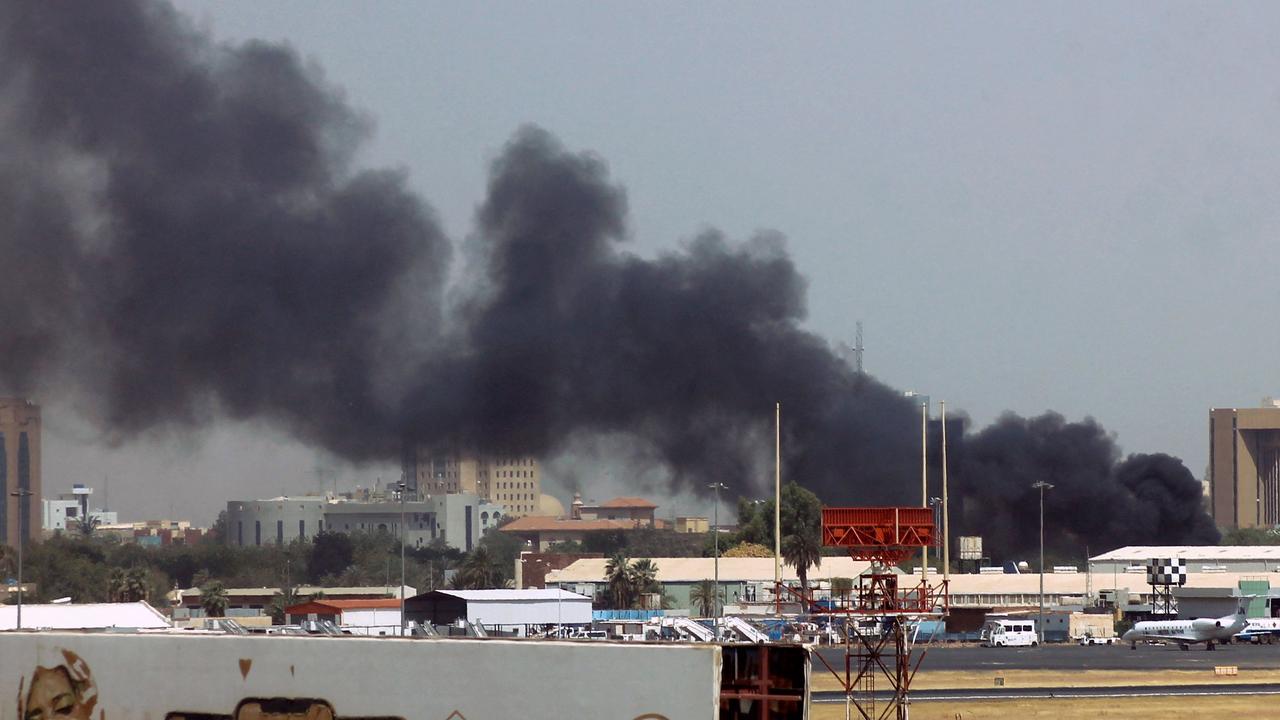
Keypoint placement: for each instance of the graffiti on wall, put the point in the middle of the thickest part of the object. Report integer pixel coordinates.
(68, 692)
(62, 692)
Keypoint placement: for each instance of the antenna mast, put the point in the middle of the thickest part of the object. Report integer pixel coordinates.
(857, 348)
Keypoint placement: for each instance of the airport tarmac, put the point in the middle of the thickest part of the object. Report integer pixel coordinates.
(1096, 657)
(1059, 693)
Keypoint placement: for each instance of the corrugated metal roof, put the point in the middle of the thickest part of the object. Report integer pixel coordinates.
(360, 604)
(694, 569)
(375, 591)
(538, 523)
(513, 595)
(621, 502)
(89, 616)
(1142, 553)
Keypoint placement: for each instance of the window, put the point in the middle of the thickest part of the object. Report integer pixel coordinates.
(257, 532)
(279, 532)
(302, 529)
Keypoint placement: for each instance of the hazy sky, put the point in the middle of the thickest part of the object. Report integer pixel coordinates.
(1028, 206)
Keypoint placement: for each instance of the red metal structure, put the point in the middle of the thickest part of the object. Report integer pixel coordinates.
(880, 647)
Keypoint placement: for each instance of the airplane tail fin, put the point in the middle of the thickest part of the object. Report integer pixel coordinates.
(1242, 605)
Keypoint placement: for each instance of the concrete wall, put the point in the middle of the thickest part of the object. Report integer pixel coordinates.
(154, 676)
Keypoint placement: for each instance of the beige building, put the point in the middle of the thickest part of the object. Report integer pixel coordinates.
(515, 483)
(19, 470)
(1244, 466)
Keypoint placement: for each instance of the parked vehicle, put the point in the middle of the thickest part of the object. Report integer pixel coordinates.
(1091, 640)
(1009, 633)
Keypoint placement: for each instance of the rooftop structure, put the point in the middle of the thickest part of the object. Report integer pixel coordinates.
(89, 616)
(632, 509)
(1200, 558)
(515, 610)
(250, 602)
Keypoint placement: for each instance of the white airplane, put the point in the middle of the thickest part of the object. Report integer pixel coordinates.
(1188, 632)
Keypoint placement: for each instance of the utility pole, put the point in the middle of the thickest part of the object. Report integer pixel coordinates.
(1042, 486)
(924, 482)
(946, 510)
(715, 599)
(21, 493)
(777, 509)
(403, 487)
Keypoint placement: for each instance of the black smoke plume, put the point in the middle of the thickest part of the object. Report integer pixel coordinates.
(184, 237)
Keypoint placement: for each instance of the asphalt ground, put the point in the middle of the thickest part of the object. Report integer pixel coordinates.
(1064, 693)
(1095, 657)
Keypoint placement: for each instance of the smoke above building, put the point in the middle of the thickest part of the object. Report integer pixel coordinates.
(185, 238)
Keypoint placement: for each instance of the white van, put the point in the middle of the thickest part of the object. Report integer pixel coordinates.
(1009, 633)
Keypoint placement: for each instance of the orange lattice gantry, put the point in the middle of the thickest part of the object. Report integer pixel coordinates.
(886, 535)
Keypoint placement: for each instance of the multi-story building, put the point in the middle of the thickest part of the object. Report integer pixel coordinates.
(68, 511)
(513, 482)
(19, 470)
(459, 519)
(1244, 466)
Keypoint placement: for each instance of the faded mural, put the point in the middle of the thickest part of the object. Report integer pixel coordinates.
(67, 692)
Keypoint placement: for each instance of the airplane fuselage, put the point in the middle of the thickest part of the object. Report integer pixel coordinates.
(1185, 633)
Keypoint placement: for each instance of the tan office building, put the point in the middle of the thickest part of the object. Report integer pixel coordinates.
(19, 470)
(1244, 466)
(515, 483)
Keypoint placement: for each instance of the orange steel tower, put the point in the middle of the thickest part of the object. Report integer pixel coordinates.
(880, 647)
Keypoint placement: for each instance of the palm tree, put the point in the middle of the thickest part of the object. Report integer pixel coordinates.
(618, 579)
(703, 597)
(803, 549)
(213, 598)
(644, 576)
(135, 584)
(115, 585)
(286, 598)
(88, 524)
(479, 571)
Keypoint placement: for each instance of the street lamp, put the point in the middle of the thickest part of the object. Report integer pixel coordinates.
(715, 598)
(22, 539)
(1042, 486)
(403, 486)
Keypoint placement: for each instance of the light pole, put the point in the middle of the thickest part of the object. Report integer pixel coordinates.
(715, 598)
(403, 486)
(1042, 486)
(22, 539)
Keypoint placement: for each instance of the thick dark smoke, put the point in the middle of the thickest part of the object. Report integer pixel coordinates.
(184, 238)
(1097, 502)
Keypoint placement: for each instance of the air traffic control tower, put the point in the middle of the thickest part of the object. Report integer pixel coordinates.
(1244, 466)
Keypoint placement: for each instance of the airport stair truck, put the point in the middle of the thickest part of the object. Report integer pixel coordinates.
(749, 632)
(693, 629)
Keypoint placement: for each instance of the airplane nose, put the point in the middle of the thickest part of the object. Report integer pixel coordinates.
(1128, 635)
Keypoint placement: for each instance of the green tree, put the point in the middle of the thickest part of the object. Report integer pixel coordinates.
(802, 550)
(619, 582)
(747, 550)
(137, 581)
(702, 596)
(284, 599)
(801, 509)
(644, 576)
(115, 585)
(87, 525)
(479, 571)
(213, 599)
(331, 554)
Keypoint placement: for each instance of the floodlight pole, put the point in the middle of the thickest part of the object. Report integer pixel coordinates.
(22, 539)
(715, 598)
(1042, 486)
(403, 487)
